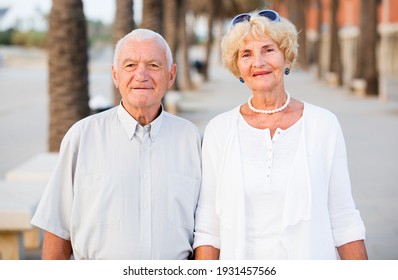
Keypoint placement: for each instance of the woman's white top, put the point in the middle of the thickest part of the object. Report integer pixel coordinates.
(265, 161)
(316, 213)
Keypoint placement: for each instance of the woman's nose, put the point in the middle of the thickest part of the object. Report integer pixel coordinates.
(259, 60)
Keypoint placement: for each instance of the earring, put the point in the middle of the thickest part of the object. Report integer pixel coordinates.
(241, 80)
(287, 71)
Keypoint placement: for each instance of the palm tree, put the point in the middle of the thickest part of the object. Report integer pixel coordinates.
(319, 40)
(152, 15)
(335, 65)
(171, 17)
(68, 73)
(123, 24)
(297, 12)
(366, 56)
(170, 23)
(185, 82)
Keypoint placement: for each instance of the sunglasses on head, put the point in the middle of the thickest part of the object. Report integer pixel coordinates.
(269, 14)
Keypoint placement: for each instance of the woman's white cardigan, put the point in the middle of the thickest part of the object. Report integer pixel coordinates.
(319, 212)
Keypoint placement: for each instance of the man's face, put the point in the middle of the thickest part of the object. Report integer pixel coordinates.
(142, 75)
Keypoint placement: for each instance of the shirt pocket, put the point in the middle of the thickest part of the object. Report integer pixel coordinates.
(182, 198)
(97, 200)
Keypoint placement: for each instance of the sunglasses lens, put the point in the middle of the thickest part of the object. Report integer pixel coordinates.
(240, 18)
(272, 15)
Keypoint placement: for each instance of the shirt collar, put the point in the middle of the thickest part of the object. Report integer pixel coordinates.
(130, 125)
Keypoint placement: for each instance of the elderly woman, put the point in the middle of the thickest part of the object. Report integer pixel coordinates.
(275, 176)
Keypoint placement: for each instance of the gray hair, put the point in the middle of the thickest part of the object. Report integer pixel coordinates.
(141, 35)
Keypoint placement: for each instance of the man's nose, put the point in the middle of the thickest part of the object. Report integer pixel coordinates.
(141, 73)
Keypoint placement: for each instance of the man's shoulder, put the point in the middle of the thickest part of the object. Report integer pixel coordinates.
(98, 117)
(90, 122)
(179, 121)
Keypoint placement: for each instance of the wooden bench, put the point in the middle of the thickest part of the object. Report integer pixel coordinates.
(37, 169)
(18, 202)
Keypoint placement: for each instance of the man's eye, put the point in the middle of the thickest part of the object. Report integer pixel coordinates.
(153, 66)
(130, 67)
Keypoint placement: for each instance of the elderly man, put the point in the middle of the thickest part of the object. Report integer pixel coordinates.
(127, 181)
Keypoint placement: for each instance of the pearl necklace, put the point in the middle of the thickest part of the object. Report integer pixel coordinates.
(283, 107)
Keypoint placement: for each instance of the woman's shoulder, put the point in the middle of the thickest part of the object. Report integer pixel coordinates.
(320, 119)
(315, 111)
(222, 124)
(225, 118)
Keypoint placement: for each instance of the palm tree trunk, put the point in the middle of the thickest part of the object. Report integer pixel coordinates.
(152, 15)
(170, 27)
(319, 41)
(68, 73)
(123, 24)
(186, 82)
(210, 39)
(366, 57)
(335, 57)
(297, 12)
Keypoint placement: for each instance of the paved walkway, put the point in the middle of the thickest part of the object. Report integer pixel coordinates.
(370, 128)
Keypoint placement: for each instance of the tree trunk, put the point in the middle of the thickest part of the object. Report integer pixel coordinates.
(122, 25)
(297, 12)
(366, 56)
(319, 41)
(68, 73)
(335, 57)
(170, 27)
(210, 39)
(186, 82)
(152, 15)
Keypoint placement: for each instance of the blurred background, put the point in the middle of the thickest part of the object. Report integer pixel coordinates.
(55, 59)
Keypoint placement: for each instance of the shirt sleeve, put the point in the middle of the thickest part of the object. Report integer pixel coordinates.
(347, 225)
(207, 223)
(54, 210)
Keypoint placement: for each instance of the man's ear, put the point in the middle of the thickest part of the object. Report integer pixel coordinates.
(172, 75)
(114, 77)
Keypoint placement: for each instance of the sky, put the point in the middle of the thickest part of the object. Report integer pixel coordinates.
(27, 12)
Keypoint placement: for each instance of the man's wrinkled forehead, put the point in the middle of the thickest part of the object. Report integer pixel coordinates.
(146, 47)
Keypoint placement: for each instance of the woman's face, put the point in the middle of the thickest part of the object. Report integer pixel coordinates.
(261, 64)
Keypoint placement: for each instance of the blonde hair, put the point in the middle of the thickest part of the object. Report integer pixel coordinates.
(284, 33)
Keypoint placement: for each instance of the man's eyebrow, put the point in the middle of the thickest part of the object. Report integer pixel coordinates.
(127, 60)
(149, 61)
